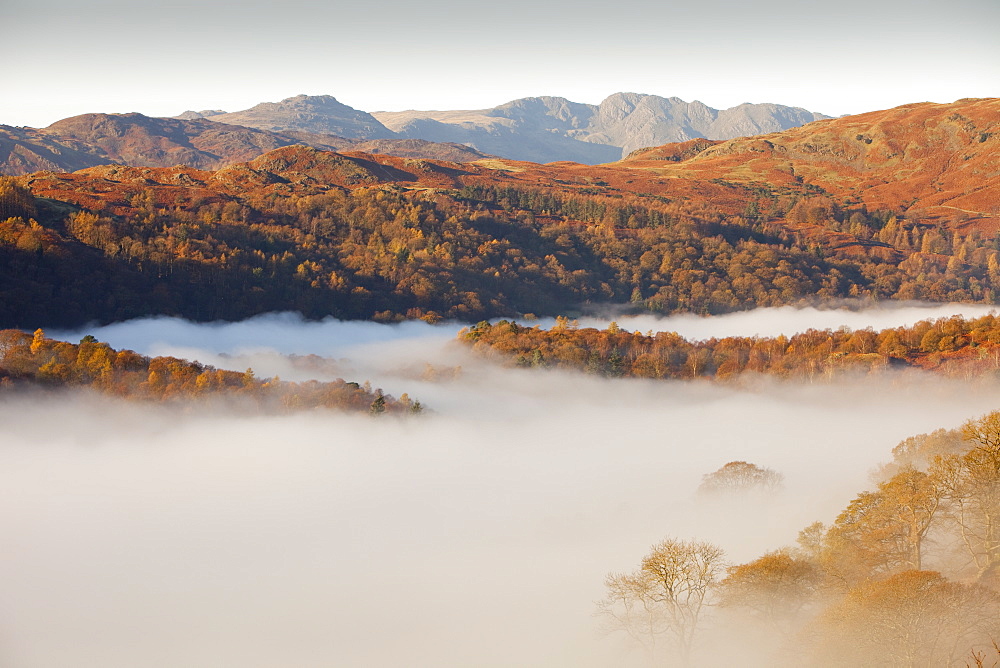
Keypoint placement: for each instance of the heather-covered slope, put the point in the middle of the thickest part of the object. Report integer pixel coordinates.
(27, 150)
(133, 139)
(934, 160)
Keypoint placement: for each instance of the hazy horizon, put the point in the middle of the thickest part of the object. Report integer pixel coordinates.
(114, 57)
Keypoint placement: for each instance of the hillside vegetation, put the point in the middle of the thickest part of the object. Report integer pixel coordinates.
(953, 346)
(357, 235)
(906, 575)
(36, 361)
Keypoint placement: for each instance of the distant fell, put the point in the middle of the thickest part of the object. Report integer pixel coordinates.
(548, 129)
(136, 140)
(204, 113)
(319, 114)
(132, 139)
(534, 129)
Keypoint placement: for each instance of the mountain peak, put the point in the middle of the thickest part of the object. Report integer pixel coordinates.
(317, 114)
(191, 115)
(309, 100)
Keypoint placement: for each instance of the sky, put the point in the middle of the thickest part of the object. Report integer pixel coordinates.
(64, 58)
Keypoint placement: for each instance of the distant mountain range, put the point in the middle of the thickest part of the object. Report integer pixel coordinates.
(539, 129)
(547, 129)
(534, 129)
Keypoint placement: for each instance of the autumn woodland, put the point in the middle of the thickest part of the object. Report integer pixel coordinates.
(870, 211)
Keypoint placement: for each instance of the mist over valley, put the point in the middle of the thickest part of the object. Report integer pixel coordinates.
(544, 383)
(477, 533)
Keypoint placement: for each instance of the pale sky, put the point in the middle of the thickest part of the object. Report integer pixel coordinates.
(63, 57)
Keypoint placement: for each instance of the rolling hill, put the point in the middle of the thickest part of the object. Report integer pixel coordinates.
(933, 160)
(141, 141)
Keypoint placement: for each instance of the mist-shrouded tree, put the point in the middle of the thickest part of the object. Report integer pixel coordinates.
(740, 477)
(663, 602)
(971, 490)
(630, 606)
(775, 589)
(914, 498)
(377, 407)
(913, 618)
(883, 531)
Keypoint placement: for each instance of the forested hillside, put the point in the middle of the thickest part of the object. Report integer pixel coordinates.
(367, 236)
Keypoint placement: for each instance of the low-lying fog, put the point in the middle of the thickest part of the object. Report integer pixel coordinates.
(476, 535)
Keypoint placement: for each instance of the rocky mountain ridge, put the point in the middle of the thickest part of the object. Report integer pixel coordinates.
(925, 160)
(535, 129)
(590, 133)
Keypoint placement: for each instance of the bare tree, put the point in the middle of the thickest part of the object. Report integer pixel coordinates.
(630, 606)
(666, 597)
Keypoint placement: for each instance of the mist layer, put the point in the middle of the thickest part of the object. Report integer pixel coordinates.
(479, 534)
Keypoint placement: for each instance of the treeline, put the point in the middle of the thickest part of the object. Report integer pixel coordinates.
(386, 253)
(907, 575)
(35, 360)
(956, 346)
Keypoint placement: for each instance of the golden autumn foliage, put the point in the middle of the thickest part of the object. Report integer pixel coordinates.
(908, 574)
(910, 618)
(954, 346)
(367, 236)
(40, 362)
(16, 201)
(777, 589)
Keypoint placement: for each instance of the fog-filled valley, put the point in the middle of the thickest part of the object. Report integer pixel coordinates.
(478, 533)
(352, 369)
